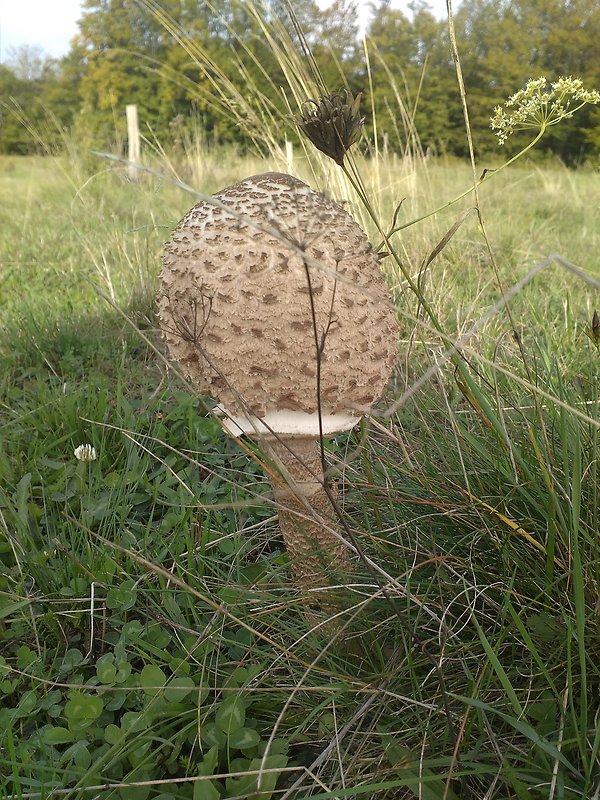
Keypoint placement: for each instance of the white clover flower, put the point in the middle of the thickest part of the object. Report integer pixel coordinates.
(85, 452)
(538, 107)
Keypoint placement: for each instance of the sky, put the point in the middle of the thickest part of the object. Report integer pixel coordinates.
(50, 24)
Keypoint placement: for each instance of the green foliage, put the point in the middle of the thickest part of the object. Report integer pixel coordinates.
(415, 94)
(141, 709)
(38, 100)
(140, 723)
(512, 42)
(232, 68)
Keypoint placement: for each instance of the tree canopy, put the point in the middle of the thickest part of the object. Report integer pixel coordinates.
(216, 63)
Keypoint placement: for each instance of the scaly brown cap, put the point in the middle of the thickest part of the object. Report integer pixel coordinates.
(261, 285)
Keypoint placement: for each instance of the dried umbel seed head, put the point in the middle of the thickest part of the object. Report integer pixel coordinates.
(332, 123)
(273, 302)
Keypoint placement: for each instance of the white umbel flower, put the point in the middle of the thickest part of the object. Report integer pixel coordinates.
(538, 106)
(85, 452)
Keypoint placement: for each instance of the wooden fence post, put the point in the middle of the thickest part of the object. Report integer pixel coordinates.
(289, 157)
(133, 141)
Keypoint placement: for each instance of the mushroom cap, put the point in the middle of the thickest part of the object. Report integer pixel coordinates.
(272, 295)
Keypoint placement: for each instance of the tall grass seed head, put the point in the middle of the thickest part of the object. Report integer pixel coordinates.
(332, 123)
(536, 106)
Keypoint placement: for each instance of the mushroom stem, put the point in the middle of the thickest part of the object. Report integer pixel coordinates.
(306, 518)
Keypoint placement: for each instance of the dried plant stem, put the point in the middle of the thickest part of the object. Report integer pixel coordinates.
(307, 520)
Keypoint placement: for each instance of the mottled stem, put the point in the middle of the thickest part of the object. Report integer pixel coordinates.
(307, 521)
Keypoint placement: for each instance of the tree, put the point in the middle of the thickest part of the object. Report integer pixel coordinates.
(505, 42)
(235, 65)
(27, 62)
(35, 107)
(413, 76)
(119, 47)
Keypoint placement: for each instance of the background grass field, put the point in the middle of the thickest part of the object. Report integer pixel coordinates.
(148, 631)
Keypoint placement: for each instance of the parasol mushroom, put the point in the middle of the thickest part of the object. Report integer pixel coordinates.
(273, 302)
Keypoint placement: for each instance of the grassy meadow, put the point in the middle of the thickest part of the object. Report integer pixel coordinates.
(151, 643)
